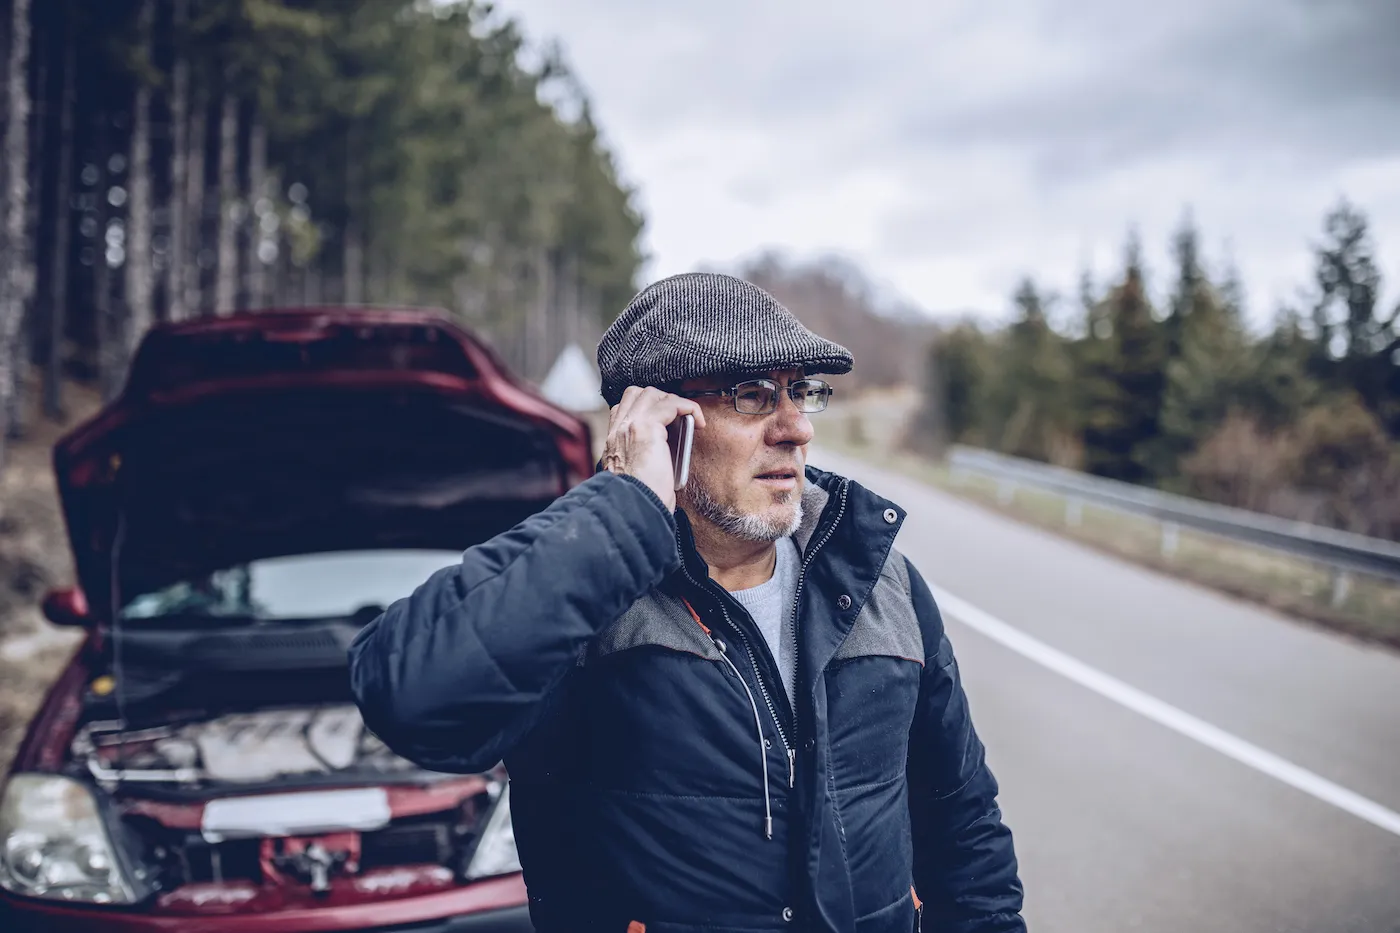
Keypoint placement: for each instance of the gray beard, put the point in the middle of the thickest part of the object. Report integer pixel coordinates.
(741, 525)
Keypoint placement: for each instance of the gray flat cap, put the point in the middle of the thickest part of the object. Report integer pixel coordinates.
(705, 324)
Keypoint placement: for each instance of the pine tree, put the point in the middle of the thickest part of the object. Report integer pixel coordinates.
(1278, 386)
(412, 156)
(963, 356)
(1191, 285)
(1030, 408)
(1206, 357)
(1355, 345)
(1125, 379)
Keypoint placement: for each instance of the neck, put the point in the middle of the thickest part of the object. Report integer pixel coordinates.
(734, 563)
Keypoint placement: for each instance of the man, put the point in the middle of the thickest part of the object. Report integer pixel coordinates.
(741, 714)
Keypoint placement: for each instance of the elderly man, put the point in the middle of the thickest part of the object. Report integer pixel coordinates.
(732, 708)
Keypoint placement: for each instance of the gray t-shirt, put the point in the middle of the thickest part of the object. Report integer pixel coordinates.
(770, 604)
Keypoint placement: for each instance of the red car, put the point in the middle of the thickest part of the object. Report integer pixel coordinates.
(263, 487)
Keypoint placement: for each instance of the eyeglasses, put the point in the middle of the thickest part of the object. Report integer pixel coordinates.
(760, 396)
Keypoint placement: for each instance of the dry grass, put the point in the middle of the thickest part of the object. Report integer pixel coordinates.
(34, 556)
(1369, 607)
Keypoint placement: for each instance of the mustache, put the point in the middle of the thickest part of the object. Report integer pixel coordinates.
(794, 467)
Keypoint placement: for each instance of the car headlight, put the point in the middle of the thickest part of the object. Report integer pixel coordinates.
(495, 853)
(54, 844)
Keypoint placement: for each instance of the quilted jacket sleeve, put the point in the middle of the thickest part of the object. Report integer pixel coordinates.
(453, 675)
(965, 869)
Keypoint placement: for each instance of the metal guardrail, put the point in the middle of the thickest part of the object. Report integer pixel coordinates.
(1342, 551)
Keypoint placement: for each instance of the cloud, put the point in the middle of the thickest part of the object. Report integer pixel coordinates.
(952, 147)
(1321, 80)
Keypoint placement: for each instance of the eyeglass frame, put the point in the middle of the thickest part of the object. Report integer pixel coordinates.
(778, 389)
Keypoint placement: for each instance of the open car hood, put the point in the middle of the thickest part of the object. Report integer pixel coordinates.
(286, 432)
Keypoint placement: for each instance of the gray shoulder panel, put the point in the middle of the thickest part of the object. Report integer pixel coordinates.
(887, 624)
(655, 619)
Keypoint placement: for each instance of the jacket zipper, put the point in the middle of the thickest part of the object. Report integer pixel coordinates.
(758, 678)
(767, 700)
(807, 559)
(758, 723)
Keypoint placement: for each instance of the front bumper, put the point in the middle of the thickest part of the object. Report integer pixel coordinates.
(509, 920)
(497, 905)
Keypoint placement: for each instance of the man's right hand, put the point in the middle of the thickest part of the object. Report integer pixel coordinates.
(636, 444)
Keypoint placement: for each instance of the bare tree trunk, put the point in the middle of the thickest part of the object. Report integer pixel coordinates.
(62, 229)
(31, 334)
(373, 288)
(281, 275)
(354, 268)
(110, 342)
(377, 278)
(353, 264)
(353, 259)
(226, 284)
(589, 316)
(537, 333)
(260, 243)
(175, 270)
(195, 157)
(140, 284)
(311, 285)
(109, 330)
(13, 249)
(569, 300)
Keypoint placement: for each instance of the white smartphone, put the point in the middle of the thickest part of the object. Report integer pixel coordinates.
(681, 435)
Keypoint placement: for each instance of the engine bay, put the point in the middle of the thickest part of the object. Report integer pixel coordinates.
(243, 748)
(261, 809)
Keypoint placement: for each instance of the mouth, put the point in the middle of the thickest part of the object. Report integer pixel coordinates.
(779, 479)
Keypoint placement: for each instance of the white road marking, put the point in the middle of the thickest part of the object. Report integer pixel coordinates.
(1167, 715)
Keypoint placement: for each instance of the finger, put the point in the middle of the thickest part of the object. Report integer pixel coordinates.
(693, 408)
(630, 395)
(652, 405)
(670, 407)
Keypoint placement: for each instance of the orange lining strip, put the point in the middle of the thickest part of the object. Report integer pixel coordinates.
(695, 615)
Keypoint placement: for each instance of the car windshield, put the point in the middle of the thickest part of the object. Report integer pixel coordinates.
(308, 586)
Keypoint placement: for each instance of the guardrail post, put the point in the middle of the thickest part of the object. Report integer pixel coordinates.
(1341, 587)
(1074, 512)
(1006, 491)
(1171, 537)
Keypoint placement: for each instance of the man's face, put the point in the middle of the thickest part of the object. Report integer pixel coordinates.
(746, 470)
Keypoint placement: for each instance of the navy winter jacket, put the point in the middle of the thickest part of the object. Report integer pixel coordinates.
(639, 736)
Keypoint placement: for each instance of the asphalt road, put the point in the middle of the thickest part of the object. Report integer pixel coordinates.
(1122, 822)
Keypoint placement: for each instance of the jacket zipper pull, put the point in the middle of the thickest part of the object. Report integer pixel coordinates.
(792, 767)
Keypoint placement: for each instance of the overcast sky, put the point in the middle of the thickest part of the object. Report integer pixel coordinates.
(951, 147)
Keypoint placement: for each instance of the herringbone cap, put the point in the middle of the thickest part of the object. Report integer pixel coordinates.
(705, 324)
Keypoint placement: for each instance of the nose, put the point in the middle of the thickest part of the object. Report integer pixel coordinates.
(788, 425)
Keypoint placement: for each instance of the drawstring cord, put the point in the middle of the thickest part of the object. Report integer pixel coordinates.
(757, 720)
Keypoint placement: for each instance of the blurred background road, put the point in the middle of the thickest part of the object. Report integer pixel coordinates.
(1121, 823)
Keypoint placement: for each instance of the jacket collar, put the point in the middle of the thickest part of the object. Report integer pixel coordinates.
(814, 500)
(853, 554)
(817, 493)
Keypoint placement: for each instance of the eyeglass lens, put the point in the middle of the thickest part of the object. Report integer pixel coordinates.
(760, 396)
